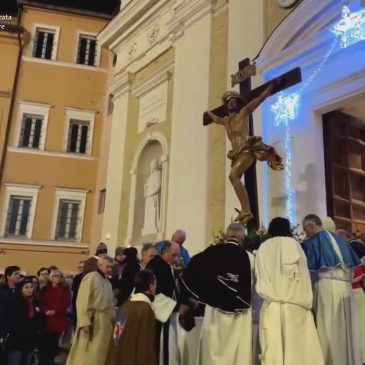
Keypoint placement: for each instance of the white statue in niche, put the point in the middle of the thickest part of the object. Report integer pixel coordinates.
(152, 196)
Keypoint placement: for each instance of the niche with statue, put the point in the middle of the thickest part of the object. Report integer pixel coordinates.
(149, 193)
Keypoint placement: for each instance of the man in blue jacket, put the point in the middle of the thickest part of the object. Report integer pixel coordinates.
(331, 262)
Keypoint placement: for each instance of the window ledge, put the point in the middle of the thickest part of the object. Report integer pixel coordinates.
(65, 64)
(34, 151)
(30, 242)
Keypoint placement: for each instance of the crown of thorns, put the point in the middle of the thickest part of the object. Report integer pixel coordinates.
(232, 94)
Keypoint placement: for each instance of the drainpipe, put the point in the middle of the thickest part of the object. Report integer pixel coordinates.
(19, 30)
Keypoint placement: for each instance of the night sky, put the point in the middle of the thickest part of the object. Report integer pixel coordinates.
(100, 6)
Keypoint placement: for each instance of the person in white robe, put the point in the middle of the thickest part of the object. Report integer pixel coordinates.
(359, 293)
(331, 262)
(287, 326)
(357, 280)
(220, 278)
(95, 315)
(255, 309)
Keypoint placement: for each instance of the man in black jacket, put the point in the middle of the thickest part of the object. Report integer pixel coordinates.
(162, 266)
(7, 291)
(220, 277)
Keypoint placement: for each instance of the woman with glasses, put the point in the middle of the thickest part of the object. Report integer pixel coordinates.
(55, 299)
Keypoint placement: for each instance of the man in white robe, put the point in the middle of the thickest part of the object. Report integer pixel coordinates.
(220, 278)
(95, 314)
(255, 309)
(287, 331)
(331, 262)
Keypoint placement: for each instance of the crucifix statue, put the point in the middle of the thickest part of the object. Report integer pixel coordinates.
(234, 116)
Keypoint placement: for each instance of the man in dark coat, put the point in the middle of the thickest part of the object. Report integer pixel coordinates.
(166, 285)
(7, 291)
(132, 266)
(133, 341)
(75, 290)
(220, 277)
(91, 264)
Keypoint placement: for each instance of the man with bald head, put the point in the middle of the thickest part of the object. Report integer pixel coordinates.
(220, 277)
(179, 236)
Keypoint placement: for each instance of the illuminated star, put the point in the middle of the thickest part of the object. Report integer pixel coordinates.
(285, 108)
(350, 27)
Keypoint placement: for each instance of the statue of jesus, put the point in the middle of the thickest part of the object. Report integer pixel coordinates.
(245, 149)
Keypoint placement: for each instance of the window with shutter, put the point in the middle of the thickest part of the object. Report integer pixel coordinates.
(18, 216)
(30, 131)
(86, 53)
(43, 43)
(78, 136)
(67, 219)
(101, 205)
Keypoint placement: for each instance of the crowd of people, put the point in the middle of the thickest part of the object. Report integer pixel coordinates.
(281, 303)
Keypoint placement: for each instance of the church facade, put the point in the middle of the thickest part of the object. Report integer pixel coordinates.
(318, 125)
(173, 61)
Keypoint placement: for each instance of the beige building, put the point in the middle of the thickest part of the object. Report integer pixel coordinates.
(11, 40)
(49, 173)
(174, 61)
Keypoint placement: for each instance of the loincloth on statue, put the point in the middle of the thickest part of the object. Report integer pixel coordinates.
(260, 151)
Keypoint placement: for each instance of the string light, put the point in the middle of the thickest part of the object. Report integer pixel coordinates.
(286, 106)
(291, 198)
(285, 110)
(350, 27)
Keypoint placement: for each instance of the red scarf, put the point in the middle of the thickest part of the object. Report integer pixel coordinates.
(31, 310)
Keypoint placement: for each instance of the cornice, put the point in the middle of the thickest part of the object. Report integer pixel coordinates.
(187, 12)
(304, 28)
(144, 29)
(22, 186)
(158, 78)
(122, 84)
(127, 21)
(315, 43)
(30, 242)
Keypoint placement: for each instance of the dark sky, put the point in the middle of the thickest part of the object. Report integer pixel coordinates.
(8, 7)
(100, 6)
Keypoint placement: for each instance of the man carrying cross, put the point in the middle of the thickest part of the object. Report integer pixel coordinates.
(245, 149)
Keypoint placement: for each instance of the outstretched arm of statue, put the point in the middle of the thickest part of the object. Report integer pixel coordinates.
(253, 104)
(214, 118)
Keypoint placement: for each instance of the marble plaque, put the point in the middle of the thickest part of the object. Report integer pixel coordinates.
(152, 107)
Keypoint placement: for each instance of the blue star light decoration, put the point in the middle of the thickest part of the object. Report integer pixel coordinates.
(351, 27)
(285, 108)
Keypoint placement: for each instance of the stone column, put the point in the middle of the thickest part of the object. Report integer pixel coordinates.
(121, 91)
(187, 192)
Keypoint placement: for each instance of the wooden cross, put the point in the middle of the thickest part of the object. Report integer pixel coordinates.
(243, 78)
